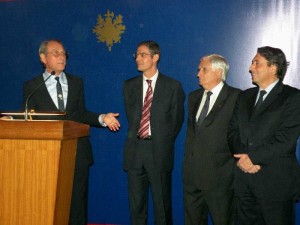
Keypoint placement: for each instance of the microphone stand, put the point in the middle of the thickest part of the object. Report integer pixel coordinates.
(28, 97)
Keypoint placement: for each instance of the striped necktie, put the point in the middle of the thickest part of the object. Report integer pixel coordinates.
(143, 131)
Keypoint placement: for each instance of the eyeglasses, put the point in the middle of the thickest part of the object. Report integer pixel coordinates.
(143, 55)
(56, 54)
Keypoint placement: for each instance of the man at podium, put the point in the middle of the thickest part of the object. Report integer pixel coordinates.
(55, 90)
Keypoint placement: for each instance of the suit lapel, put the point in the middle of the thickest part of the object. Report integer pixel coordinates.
(138, 95)
(47, 100)
(250, 102)
(220, 100)
(197, 100)
(219, 103)
(272, 96)
(158, 87)
(71, 91)
(195, 103)
(157, 95)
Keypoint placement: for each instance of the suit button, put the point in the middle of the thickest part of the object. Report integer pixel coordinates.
(250, 143)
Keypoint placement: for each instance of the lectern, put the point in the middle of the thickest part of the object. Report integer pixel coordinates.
(37, 160)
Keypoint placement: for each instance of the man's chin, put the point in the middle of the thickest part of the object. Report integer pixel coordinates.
(254, 83)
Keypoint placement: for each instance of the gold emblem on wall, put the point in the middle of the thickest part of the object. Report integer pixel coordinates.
(109, 29)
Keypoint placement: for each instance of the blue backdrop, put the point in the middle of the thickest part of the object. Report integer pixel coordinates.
(185, 30)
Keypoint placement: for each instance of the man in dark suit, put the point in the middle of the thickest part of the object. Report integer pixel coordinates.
(263, 135)
(45, 98)
(153, 125)
(208, 163)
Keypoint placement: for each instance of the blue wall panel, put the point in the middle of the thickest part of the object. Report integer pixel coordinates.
(185, 30)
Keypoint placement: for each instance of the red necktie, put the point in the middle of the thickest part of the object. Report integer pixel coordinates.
(145, 121)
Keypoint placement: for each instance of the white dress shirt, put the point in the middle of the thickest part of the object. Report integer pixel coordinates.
(215, 93)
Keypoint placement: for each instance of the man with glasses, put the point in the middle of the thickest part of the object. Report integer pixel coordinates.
(155, 112)
(71, 100)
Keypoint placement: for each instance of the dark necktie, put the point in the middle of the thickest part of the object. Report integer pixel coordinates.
(260, 100)
(60, 98)
(143, 131)
(204, 110)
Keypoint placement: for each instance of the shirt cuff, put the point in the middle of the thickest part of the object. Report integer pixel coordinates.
(101, 120)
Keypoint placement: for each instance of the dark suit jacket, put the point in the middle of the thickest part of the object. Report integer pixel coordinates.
(269, 137)
(167, 113)
(75, 109)
(208, 163)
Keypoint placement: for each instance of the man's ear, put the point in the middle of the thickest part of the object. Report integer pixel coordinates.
(219, 71)
(43, 59)
(156, 57)
(274, 69)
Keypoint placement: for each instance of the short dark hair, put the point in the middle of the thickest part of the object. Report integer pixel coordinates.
(275, 56)
(152, 45)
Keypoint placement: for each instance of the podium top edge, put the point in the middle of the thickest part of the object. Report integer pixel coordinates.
(42, 129)
(55, 113)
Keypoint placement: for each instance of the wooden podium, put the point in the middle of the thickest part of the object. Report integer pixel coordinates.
(37, 160)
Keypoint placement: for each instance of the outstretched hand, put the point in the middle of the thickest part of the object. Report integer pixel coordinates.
(110, 119)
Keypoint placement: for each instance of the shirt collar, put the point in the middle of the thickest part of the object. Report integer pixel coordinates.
(62, 77)
(216, 90)
(270, 87)
(153, 78)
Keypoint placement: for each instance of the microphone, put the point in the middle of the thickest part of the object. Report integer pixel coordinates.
(29, 96)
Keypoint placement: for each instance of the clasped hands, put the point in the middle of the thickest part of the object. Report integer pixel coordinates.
(110, 119)
(245, 164)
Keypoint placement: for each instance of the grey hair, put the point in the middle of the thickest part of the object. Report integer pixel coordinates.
(218, 62)
(44, 46)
